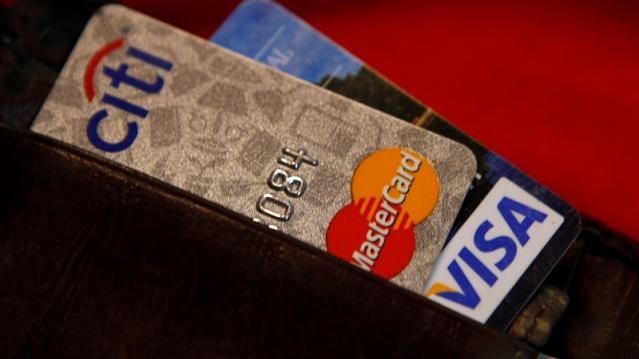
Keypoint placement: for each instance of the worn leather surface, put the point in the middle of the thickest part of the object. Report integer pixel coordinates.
(602, 319)
(98, 261)
(36, 38)
(587, 307)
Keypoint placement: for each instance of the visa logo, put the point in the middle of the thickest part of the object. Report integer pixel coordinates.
(119, 78)
(491, 251)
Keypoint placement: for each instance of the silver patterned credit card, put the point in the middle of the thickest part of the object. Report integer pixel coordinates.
(376, 192)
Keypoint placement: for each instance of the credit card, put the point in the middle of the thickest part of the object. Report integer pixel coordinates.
(510, 231)
(338, 175)
(267, 32)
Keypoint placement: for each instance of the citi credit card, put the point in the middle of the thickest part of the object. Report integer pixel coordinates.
(510, 231)
(378, 193)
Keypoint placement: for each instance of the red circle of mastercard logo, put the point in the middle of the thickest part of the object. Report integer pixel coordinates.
(393, 190)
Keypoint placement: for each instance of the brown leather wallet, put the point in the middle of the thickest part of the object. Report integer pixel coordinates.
(99, 261)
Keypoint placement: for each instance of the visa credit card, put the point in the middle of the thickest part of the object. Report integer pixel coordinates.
(338, 175)
(510, 231)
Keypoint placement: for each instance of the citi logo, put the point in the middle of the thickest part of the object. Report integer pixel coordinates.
(120, 77)
(492, 250)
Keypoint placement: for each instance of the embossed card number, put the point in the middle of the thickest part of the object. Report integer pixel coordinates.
(285, 181)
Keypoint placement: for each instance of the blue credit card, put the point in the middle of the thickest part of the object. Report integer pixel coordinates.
(268, 33)
(510, 232)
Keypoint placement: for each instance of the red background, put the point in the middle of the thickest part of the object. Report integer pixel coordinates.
(550, 85)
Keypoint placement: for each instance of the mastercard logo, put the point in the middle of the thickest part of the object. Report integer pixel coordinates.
(393, 190)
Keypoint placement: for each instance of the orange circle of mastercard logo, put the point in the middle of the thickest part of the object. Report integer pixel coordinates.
(393, 190)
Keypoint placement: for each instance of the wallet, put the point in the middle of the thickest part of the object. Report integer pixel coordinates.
(97, 260)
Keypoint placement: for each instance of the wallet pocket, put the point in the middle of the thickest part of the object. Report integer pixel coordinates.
(100, 261)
